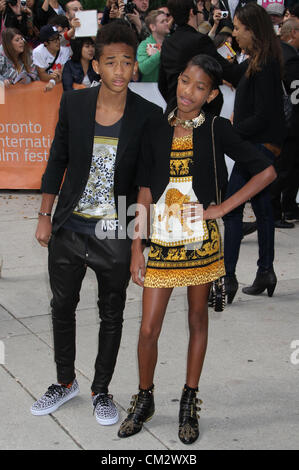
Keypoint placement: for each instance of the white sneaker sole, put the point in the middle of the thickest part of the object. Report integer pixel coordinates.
(47, 411)
(109, 421)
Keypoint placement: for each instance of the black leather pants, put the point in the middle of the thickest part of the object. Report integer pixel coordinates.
(69, 255)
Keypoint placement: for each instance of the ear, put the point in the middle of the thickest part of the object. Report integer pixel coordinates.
(212, 95)
(135, 70)
(96, 66)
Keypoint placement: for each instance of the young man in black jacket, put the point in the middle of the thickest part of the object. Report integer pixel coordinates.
(96, 149)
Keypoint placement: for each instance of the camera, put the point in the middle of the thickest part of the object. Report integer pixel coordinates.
(23, 3)
(224, 14)
(12, 2)
(130, 7)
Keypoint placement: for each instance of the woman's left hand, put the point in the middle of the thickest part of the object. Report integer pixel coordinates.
(193, 211)
(213, 212)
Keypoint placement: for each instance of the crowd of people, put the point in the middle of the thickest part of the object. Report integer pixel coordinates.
(189, 48)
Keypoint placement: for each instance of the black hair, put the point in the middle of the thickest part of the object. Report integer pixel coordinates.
(180, 10)
(221, 37)
(294, 10)
(210, 66)
(116, 31)
(76, 46)
(59, 20)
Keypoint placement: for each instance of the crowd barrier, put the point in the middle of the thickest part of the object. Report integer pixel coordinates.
(28, 117)
(27, 123)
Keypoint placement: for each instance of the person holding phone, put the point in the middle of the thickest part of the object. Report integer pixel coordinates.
(14, 15)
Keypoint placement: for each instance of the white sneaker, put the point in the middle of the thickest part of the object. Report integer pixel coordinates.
(54, 397)
(105, 409)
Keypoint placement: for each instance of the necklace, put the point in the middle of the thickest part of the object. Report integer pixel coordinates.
(174, 121)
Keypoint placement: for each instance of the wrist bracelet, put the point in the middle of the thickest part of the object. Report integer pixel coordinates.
(52, 81)
(45, 214)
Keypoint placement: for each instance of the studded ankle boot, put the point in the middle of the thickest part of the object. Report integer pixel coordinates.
(188, 417)
(142, 410)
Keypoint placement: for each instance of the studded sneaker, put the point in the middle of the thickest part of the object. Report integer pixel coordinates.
(104, 409)
(55, 396)
(142, 410)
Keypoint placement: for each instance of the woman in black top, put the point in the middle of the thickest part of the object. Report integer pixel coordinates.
(177, 175)
(259, 118)
(78, 69)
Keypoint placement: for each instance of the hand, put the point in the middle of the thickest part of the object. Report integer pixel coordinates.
(16, 8)
(135, 19)
(213, 212)
(151, 49)
(232, 118)
(49, 87)
(217, 16)
(192, 211)
(137, 267)
(7, 83)
(75, 23)
(57, 75)
(26, 10)
(121, 8)
(2, 5)
(44, 230)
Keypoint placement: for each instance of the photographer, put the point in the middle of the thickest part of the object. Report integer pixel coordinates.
(227, 12)
(135, 13)
(15, 14)
(46, 9)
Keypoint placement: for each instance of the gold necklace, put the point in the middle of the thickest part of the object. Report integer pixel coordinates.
(174, 121)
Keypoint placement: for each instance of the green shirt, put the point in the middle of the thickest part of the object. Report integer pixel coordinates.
(148, 65)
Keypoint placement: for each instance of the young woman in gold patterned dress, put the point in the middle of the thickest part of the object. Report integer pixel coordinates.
(177, 175)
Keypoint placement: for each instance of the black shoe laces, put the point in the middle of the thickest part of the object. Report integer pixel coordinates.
(55, 389)
(103, 399)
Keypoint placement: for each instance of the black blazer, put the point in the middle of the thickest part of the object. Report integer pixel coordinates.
(154, 165)
(72, 148)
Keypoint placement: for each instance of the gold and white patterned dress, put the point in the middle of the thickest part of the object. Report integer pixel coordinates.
(182, 253)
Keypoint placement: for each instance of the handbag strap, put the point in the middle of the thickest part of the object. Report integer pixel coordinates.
(51, 65)
(218, 194)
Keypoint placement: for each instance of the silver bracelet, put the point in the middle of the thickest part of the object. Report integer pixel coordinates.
(45, 214)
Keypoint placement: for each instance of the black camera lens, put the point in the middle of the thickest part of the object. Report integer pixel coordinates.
(130, 7)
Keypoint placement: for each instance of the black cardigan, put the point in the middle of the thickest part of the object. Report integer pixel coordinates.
(154, 164)
(258, 108)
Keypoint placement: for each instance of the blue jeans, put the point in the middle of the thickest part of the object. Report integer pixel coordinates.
(233, 221)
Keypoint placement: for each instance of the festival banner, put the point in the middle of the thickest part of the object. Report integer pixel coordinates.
(28, 119)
